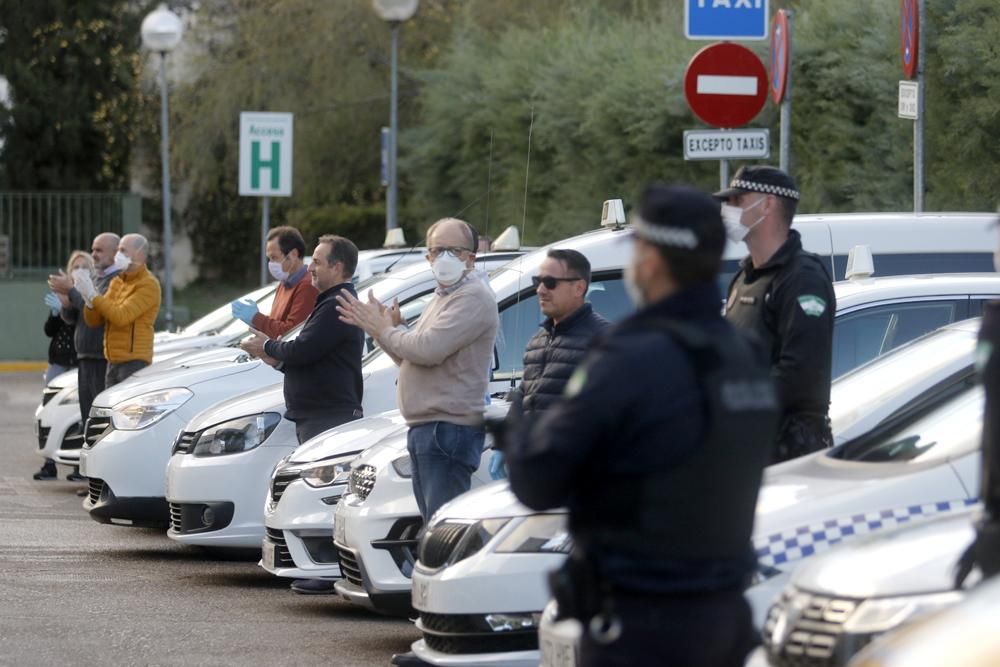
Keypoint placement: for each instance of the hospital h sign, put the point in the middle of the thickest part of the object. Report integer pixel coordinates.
(265, 154)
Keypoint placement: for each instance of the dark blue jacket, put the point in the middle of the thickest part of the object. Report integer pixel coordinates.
(633, 407)
(322, 366)
(553, 354)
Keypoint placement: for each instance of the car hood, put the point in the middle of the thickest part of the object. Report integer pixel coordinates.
(354, 436)
(180, 377)
(910, 560)
(270, 398)
(180, 343)
(382, 453)
(493, 501)
(63, 380)
(190, 359)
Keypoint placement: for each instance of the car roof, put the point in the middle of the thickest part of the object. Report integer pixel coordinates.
(850, 292)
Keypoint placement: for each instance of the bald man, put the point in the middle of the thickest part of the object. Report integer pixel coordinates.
(127, 311)
(443, 364)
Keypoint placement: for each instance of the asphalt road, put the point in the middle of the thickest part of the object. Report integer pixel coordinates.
(73, 591)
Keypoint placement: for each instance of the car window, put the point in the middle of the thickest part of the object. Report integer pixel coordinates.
(870, 386)
(953, 429)
(913, 263)
(239, 327)
(860, 336)
(520, 319)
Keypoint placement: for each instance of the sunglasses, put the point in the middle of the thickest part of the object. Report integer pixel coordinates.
(550, 282)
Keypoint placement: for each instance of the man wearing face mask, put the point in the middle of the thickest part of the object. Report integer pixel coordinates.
(657, 448)
(127, 311)
(295, 296)
(443, 365)
(784, 296)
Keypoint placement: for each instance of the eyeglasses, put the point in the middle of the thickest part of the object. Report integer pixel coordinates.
(550, 282)
(454, 251)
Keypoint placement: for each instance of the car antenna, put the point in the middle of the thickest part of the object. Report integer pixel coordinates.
(524, 217)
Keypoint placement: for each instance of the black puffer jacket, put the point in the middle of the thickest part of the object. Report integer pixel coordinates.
(553, 354)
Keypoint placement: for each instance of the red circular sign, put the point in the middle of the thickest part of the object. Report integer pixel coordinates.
(909, 36)
(725, 85)
(780, 55)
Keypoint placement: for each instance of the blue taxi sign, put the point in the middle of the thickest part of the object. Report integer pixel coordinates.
(726, 19)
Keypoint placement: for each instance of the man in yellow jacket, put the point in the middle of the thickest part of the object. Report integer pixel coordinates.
(127, 310)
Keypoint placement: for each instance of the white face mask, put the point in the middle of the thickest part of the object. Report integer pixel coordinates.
(448, 269)
(277, 271)
(732, 217)
(632, 287)
(121, 262)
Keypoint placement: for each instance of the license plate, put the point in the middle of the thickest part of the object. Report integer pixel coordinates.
(419, 592)
(339, 532)
(267, 550)
(557, 651)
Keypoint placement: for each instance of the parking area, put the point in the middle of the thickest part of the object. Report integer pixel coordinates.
(73, 591)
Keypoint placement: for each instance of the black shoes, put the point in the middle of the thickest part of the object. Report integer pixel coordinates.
(313, 587)
(75, 476)
(47, 471)
(408, 659)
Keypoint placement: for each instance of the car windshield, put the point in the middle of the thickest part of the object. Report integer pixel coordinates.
(217, 320)
(239, 327)
(879, 382)
(950, 430)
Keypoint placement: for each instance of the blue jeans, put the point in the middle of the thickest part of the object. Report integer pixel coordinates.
(444, 457)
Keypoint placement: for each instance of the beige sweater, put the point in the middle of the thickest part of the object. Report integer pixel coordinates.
(444, 359)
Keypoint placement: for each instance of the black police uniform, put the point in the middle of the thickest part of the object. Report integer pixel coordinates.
(658, 451)
(789, 304)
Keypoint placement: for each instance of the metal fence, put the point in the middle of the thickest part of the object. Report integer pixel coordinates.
(38, 230)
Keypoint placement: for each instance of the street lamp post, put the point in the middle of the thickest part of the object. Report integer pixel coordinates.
(394, 12)
(161, 32)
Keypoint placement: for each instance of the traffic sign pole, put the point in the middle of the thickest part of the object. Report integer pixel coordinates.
(723, 174)
(918, 125)
(785, 145)
(265, 224)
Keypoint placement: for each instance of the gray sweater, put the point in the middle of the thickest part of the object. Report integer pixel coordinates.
(89, 341)
(444, 359)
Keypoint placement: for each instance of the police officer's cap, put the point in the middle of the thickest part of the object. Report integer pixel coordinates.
(760, 178)
(678, 216)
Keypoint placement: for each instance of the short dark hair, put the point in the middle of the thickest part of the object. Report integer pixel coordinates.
(341, 250)
(787, 207)
(574, 260)
(684, 207)
(289, 239)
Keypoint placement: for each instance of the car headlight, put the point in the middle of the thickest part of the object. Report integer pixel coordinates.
(539, 533)
(236, 435)
(72, 396)
(327, 473)
(879, 615)
(403, 466)
(143, 411)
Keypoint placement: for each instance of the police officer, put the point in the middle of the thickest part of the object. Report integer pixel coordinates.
(657, 449)
(783, 295)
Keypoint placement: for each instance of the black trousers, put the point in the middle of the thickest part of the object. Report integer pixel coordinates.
(119, 372)
(90, 379)
(309, 427)
(691, 630)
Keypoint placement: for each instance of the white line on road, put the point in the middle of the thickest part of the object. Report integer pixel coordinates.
(711, 84)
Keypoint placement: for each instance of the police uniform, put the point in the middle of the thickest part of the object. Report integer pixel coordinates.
(789, 305)
(657, 450)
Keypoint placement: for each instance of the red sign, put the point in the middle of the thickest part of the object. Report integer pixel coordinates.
(909, 36)
(725, 85)
(780, 55)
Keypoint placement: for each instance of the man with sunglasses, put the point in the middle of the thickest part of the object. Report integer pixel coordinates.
(443, 364)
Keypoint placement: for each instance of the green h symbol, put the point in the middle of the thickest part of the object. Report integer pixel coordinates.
(256, 164)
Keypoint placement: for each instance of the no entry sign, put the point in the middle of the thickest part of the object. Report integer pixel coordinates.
(725, 85)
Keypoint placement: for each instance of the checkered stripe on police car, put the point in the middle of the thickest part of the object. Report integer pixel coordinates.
(804, 541)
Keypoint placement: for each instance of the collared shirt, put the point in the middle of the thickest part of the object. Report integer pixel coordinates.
(445, 291)
(293, 280)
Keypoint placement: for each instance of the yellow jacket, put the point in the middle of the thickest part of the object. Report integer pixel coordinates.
(127, 311)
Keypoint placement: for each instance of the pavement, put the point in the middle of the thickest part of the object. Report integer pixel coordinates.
(73, 591)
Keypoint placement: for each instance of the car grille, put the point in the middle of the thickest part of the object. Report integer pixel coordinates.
(96, 489)
(280, 482)
(362, 481)
(470, 634)
(440, 542)
(282, 556)
(97, 428)
(43, 434)
(176, 518)
(184, 444)
(73, 438)
(48, 394)
(349, 567)
(813, 626)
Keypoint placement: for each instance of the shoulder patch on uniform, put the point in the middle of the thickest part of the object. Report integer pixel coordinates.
(575, 383)
(812, 305)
